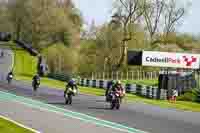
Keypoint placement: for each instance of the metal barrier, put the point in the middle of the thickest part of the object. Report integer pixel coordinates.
(61, 77)
(141, 90)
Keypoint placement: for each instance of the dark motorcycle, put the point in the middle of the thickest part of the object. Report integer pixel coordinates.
(9, 78)
(115, 100)
(68, 95)
(35, 84)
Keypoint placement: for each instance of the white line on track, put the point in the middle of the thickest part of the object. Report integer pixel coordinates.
(19, 124)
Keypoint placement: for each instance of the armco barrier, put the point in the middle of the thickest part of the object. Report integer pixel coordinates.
(94, 83)
(87, 82)
(141, 90)
(148, 92)
(61, 77)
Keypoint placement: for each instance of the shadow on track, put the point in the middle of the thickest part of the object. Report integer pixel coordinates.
(99, 108)
(57, 103)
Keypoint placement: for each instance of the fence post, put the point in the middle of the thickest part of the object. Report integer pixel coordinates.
(144, 76)
(117, 75)
(103, 75)
(151, 75)
(112, 75)
(127, 78)
(121, 75)
(132, 75)
(59, 64)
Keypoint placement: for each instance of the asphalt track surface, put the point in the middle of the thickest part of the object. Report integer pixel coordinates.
(48, 122)
(141, 116)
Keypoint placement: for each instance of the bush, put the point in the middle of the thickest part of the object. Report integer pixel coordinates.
(198, 96)
(190, 95)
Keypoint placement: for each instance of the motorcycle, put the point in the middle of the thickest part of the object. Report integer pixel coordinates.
(36, 84)
(68, 95)
(115, 100)
(10, 77)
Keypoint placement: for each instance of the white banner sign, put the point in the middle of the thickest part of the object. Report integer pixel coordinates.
(175, 60)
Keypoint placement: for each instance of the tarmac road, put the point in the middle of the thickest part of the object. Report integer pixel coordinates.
(141, 116)
(48, 122)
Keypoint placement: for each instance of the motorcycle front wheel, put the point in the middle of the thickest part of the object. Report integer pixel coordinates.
(35, 88)
(9, 81)
(117, 106)
(112, 105)
(69, 99)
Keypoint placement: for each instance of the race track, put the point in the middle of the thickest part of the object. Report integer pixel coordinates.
(140, 116)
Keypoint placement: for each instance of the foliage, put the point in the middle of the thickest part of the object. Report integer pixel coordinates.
(135, 25)
(42, 22)
(190, 95)
(87, 57)
(197, 96)
(61, 59)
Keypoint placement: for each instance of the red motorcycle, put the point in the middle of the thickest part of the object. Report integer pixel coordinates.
(115, 99)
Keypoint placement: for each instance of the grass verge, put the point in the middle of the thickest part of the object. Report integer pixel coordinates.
(24, 64)
(9, 127)
(152, 82)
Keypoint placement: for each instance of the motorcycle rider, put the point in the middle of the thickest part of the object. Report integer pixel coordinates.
(71, 90)
(119, 89)
(36, 81)
(10, 76)
(71, 84)
(109, 89)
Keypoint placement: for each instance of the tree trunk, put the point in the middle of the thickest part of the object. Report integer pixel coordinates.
(123, 59)
(18, 31)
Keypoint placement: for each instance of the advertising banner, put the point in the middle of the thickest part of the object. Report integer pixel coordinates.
(174, 60)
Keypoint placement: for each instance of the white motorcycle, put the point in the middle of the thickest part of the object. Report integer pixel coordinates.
(68, 95)
(10, 77)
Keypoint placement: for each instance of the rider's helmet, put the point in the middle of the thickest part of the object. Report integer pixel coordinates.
(72, 81)
(118, 82)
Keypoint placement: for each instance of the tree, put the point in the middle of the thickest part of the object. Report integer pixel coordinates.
(5, 26)
(108, 43)
(152, 15)
(42, 22)
(126, 14)
(161, 17)
(45, 23)
(15, 16)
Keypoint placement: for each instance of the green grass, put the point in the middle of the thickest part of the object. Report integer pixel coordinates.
(61, 85)
(24, 64)
(153, 82)
(9, 127)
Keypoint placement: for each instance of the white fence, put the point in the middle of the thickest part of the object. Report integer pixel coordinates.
(131, 75)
